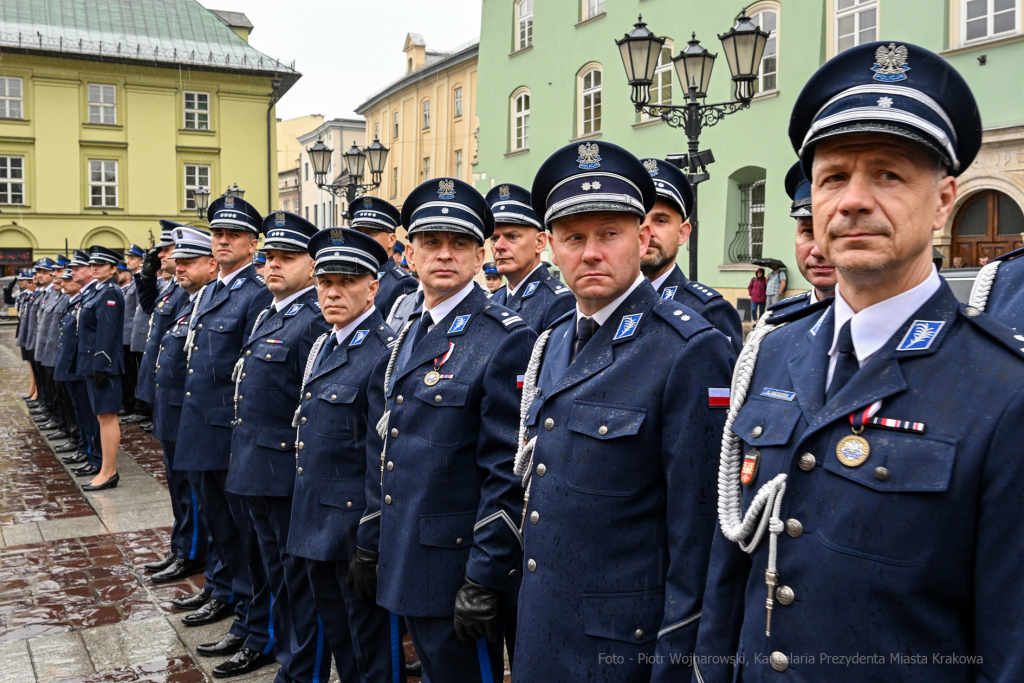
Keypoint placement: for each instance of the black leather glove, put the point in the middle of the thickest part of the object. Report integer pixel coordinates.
(150, 264)
(362, 574)
(476, 612)
(102, 379)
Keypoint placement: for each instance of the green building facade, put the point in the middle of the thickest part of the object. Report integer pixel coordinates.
(550, 74)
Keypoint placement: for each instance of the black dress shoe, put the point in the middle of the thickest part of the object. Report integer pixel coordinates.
(180, 569)
(132, 419)
(193, 601)
(59, 434)
(49, 426)
(41, 418)
(86, 470)
(228, 645)
(147, 427)
(212, 611)
(414, 667)
(68, 447)
(108, 484)
(38, 410)
(244, 661)
(76, 459)
(160, 565)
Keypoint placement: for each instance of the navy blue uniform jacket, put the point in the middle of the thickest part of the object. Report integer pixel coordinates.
(67, 342)
(167, 305)
(263, 444)
(711, 305)
(392, 282)
(100, 328)
(540, 300)
(341, 403)
(921, 559)
(1006, 299)
(454, 501)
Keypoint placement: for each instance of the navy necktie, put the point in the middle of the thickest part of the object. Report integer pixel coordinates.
(329, 346)
(846, 362)
(219, 285)
(421, 329)
(585, 329)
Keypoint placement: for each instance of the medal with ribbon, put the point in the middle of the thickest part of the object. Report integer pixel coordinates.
(854, 450)
(435, 376)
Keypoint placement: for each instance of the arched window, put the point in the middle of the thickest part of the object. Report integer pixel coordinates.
(520, 119)
(768, 20)
(988, 224)
(590, 101)
(524, 23)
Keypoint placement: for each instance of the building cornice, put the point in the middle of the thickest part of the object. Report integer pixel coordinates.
(454, 59)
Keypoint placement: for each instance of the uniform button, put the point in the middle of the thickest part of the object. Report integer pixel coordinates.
(511, 572)
(458, 541)
(190, 371)
(756, 432)
(399, 400)
(284, 445)
(542, 469)
(299, 471)
(532, 565)
(779, 661)
(603, 430)
(639, 634)
(534, 516)
(438, 399)
(158, 386)
(243, 375)
(785, 595)
(308, 395)
(248, 353)
(301, 445)
(794, 528)
(387, 499)
(391, 465)
(549, 424)
(348, 504)
(161, 348)
(807, 462)
(394, 433)
(240, 398)
(303, 420)
(381, 328)
(268, 356)
(334, 397)
(200, 326)
(188, 394)
(239, 421)
(882, 473)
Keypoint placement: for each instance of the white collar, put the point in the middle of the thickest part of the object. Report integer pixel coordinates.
(344, 332)
(438, 313)
(601, 317)
(874, 326)
(512, 290)
(90, 283)
(281, 305)
(661, 278)
(226, 279)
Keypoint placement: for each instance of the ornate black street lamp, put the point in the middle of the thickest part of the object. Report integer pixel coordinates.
(235, 191)
(201, 196)
(356, 161)
(744, 46)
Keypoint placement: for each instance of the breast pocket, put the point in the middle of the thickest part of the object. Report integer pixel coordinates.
(878, 509)
(335, 417)
(221, 337)
(443, 422)
(269, 371)
(766, 427)
(604, 448)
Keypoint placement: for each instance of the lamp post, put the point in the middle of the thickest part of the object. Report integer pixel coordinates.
(743, 44)
(201, 195)
(234, 192)
(356, 160)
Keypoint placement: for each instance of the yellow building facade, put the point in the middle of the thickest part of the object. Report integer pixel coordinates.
(99, 140)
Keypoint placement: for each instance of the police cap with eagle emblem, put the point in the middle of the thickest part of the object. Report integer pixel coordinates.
(511, 205)
(447, 205)
(103, 256)
(44, 264)
(374, 213)
(592, 177)
(233, 213)
(259, 259)
(893, 88)
(191, 243)
(286, 231)
(346, 251)
(671, 184)
(798, 187)
(167, 232)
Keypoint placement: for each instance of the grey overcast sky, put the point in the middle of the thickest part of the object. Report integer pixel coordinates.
(348, 49)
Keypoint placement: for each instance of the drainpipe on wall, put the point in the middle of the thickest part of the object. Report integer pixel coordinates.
(274, 97)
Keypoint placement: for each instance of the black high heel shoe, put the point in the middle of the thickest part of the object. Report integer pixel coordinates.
(108, 484)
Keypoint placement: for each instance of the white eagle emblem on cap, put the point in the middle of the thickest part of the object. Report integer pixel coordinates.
(229, 202)
(180, 233)
(446, 189)
(589, 156)
(504, 193)
(891, 63)
(652, 166)
(337, 236)
(279, 219)
(367, 202)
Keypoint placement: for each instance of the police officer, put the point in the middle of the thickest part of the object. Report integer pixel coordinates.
(445, 535)
(517, 244)
(268, 377)
(398, 254)
(999, 290)
(222, 316)
(891, 507)
(670, 228)
(813, 266)
(43, 274)
(379, 219)
(618, 442)
(342, 399)
(100, 359)
(194, 267)
(492, 278)
(126, 282)
(62, 419)
(27, 287)
(259, 262)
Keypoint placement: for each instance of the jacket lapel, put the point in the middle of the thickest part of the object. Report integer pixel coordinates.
(225, 293)
(435, 343)
(808, 369)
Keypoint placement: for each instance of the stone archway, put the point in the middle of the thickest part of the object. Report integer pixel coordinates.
(105, 236)
(970, 186)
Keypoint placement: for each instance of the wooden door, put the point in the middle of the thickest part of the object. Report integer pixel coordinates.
(989, 224)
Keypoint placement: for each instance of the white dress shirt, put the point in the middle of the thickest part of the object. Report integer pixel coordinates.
(601, 317)
(512, 290)
(438, 313)
(344, 332)
(661, 278)
(281, 305)
(226, 279)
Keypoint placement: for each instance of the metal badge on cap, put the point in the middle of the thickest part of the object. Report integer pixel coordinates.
(590, 157)
(891, 63)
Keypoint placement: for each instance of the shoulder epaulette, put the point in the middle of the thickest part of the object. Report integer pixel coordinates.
(562, 318)
(1006, 336)
(791, 313)
(789, 301)
(702, 292)
(509, 320)
(259, 278)
(386, 335)
(684, 319)
(556, 286)
(399, 273)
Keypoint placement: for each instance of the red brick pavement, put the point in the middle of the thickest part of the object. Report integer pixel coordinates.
(145, 450)
(178, 670)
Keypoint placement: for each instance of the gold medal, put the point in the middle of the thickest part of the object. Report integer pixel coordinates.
(853, 450)
(432, 378)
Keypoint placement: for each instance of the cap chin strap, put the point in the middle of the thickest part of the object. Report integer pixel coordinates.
(983, 285)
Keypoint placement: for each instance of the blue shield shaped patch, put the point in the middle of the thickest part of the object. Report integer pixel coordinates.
(295, 308)
(530, 289)
(670, 292)
(238, 283)
(359, 337)
(627, 327)
(459, 324)
(920, 335)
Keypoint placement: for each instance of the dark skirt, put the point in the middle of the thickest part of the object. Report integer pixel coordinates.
(107, 400)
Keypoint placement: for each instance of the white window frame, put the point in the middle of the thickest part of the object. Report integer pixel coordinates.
(426, 114)
(458, 164)
(10, 104)
(12, 180)
(426, 169)
(663, 71)
(190, 188)
(593, 94)
(520, 139)
(100, 108)
(592, 8)
(858, 8)
(105, 186)
(773, 35)
(195, 111)
(524, 24)
(457, 105)
(750, 216)
(396, 127)
(990, 17)
(376, 130)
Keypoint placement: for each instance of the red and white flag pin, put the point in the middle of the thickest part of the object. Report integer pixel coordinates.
(520, 379)
(718, 397)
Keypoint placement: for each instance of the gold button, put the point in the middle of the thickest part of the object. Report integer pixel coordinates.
(300, 471)
(399, 400)
(542, 469)
(391, 465)
(188, 394)
(394, 433)
(308, 395)
(301, 445)
(534, 517)
(348, 504)
(387, 499)
(268, 356)
(882, 473)
(785, 595)
(807, 462)
(248, 353)
(284, 445)
(303, 420)
(757, 431)
(334, 397)
(779, 661)
(549, 424)
(458, 541)
(603, 430)
(531, 565)
(639, 634)
(438, 399)
(794, 528)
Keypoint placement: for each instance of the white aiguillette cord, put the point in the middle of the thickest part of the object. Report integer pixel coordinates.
(191, 325)
(524, 456)
(765, 508)
(236, 374)
(983, 285)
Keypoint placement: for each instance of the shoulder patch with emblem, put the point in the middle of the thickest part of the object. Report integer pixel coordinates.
(359, 338)
(702, 292)
(509, 320)
(531, 288)
(459, 324)
(295, 308)
(684, 320)
(238, 283)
